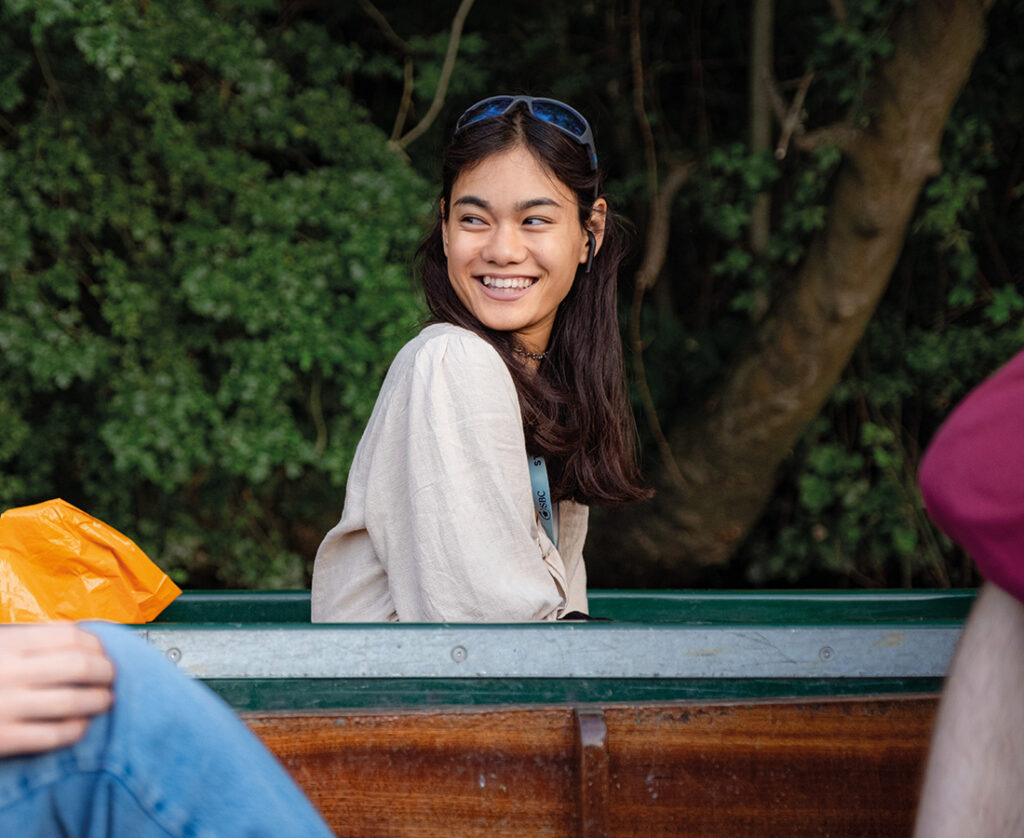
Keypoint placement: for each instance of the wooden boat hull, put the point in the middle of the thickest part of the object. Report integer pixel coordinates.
(788, 768)
(696, 714)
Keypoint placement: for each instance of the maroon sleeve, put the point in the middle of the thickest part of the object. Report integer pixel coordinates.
(972, 476)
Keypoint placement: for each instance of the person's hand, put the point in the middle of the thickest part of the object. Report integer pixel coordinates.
(53, 679)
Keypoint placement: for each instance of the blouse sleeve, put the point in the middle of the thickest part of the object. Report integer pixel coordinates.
(448, 504)
(972, 477)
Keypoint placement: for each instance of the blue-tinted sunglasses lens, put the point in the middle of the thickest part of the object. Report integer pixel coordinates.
(485, 110)
(558, 115)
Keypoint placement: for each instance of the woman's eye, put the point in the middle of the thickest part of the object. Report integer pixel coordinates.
(536, 220)
(471, 220)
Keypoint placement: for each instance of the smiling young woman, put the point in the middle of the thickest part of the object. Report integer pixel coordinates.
(507, 416)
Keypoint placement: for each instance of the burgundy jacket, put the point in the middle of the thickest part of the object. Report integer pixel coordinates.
(972, 476)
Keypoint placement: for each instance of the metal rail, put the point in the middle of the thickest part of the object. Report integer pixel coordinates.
(560, 651)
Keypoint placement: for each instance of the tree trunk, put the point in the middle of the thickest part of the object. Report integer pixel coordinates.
(729, 453)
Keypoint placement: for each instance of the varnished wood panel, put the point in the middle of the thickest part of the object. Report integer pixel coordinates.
(433, 773)
(842, 767)
(787, 769)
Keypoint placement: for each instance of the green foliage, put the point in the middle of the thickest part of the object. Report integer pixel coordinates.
(845, 50)
(730, 184)
(855, 512)
(207, 249)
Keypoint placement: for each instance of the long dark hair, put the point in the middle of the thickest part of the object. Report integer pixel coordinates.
(575, 409)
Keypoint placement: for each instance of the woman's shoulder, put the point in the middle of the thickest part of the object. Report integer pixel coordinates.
(442, 346)
(448, 370)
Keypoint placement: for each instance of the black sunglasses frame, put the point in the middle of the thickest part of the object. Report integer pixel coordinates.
(479, 112)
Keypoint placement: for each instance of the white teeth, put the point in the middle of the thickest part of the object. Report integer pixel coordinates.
(506, 282)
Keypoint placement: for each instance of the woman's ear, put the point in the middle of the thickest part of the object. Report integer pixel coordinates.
(596, 221)
(444, 230)
(594, 231)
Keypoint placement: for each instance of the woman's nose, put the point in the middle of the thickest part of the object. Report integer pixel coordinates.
(504, 246)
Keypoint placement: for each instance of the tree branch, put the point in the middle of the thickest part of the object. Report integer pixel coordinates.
(446, 73)
(840, 134)
(771, 88)
(659, 225)
(382, 23)
(655, 252)
(657, 241)
(793, 122)
(762, 35)
(406, 104)
(839, 10)
(398, 43)
(636, 55)
(51, 81)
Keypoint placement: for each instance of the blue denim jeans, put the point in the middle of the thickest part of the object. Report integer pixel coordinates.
(169, 759)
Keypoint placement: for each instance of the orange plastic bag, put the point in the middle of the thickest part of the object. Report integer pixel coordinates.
(59, 563)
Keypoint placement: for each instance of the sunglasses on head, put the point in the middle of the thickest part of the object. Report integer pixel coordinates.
(556, 114)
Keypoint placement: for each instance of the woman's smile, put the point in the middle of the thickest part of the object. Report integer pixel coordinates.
(506, 287)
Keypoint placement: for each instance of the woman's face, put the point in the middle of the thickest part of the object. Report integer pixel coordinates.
(514, 241)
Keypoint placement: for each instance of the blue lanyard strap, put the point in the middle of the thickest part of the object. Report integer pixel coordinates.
(546, 510)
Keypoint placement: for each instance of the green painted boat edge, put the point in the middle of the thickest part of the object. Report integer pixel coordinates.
(428, 693)
(647, 607)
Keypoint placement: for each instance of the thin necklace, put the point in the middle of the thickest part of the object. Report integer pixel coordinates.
(536, 356)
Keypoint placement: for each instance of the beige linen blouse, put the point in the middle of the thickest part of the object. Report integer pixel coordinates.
(439, 522)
